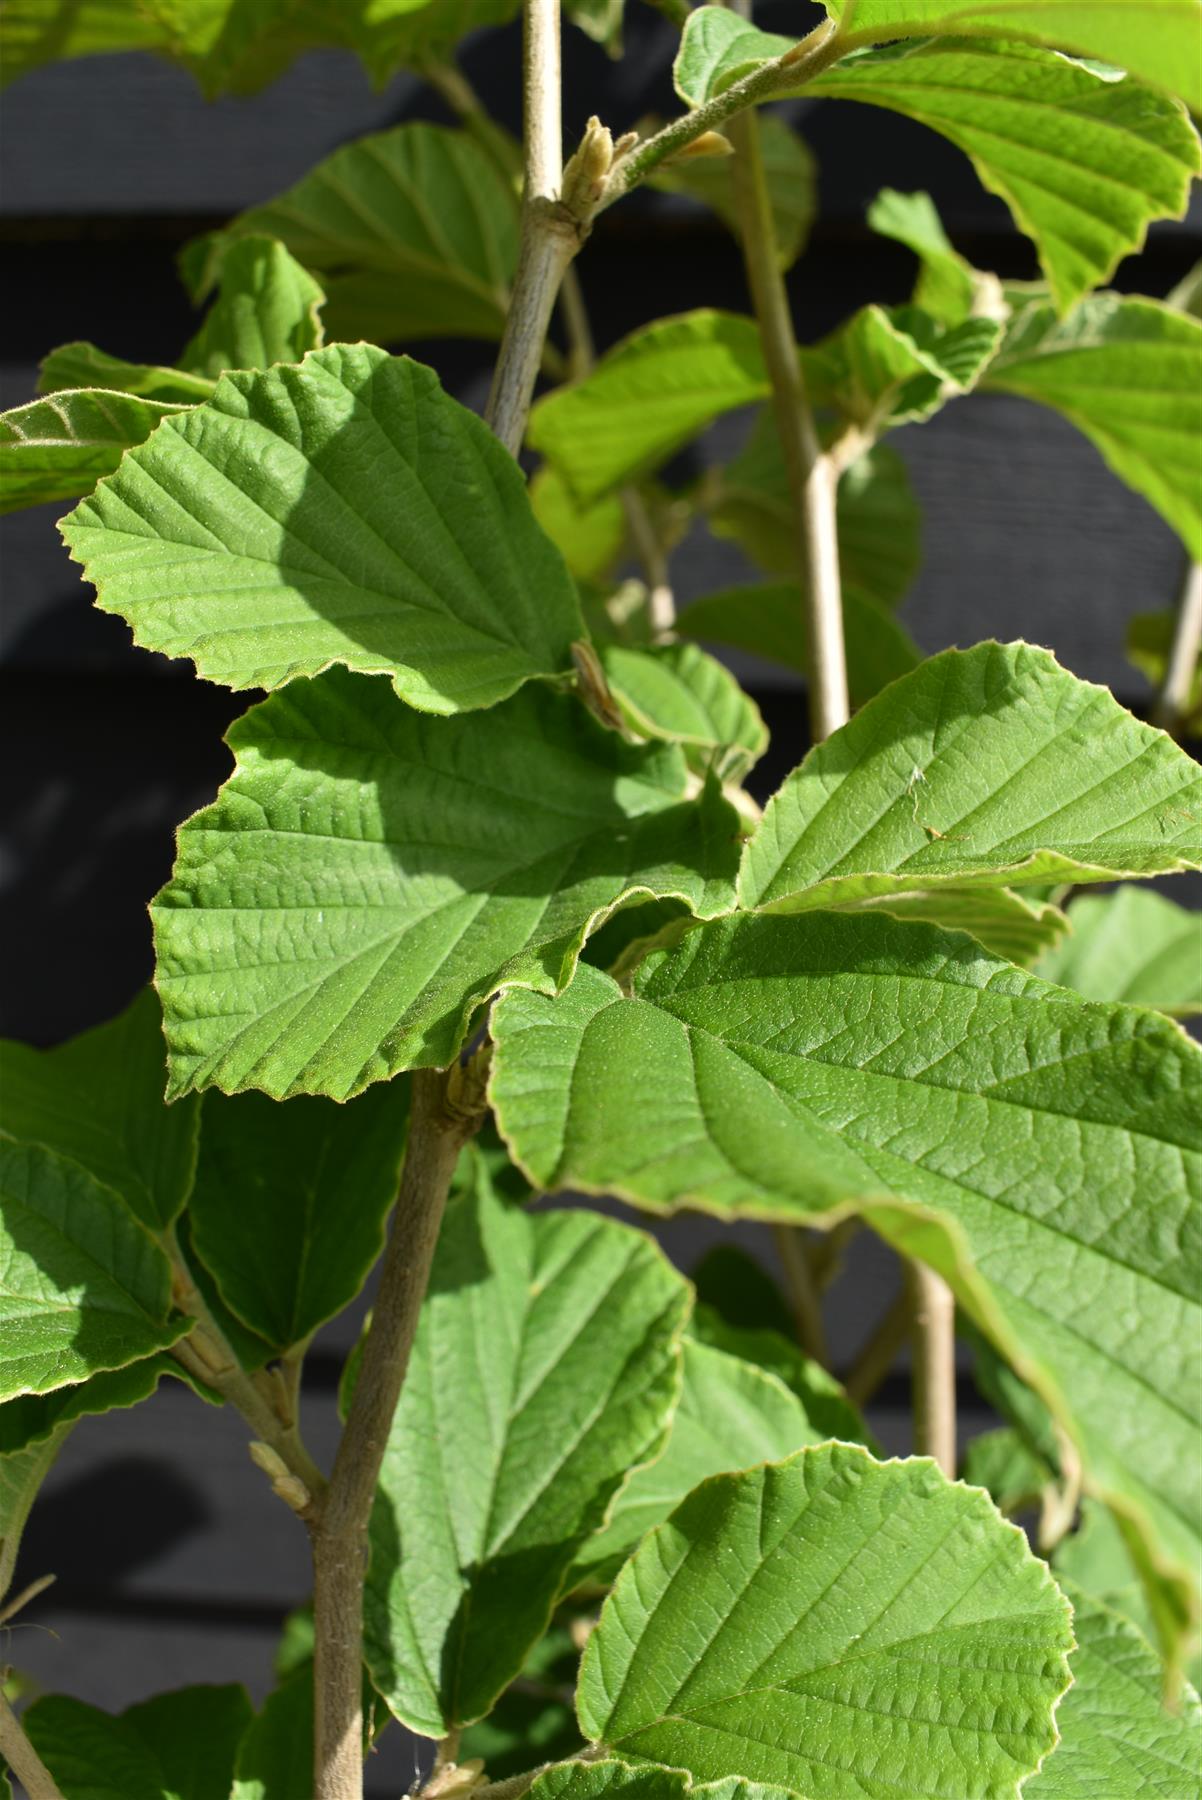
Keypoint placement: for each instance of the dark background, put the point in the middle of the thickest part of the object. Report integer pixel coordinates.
(175, 1562)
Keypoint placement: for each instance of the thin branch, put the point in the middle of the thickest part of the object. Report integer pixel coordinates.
(804, 1302)
(1172, 703)
(22, 1758)
(879, 1354)
(933, 1349)
(443, 1116)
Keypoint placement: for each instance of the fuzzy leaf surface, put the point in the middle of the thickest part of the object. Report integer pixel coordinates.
(98, 1099)
(986, 767)
(412, 233)
(59, 448)
(369, 875)
(786, 1624)
(1128, 373)
(1046, 1151)
(1084, 161)
(85, 1287)
(178, 1746)
(345, 511)
(83, 365)
(474, 1530)
(1131, 945)
(717, 48)
(677, 692)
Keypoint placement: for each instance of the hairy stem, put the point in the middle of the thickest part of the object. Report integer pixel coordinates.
(23, 1759)
(438, 1129)
(933, 1348)
(1172, 703)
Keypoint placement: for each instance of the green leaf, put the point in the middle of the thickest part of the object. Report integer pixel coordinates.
(677, 692)
(1150, 638)
(397, 36)
(878, 521)
(1084, 160)
(178, 1746)
(1128, 373)
(786, 1625)
(82, 365)
(58, 448)
(22, 1473)
(275, 1756)
(729, 1416)
(733, 1286)
(790, 174)
(1006, 921)
(1186, 297)
(290, 1201)
(533, 1722)
(589, 538)
(475, 1529)
(267, 312)
(592, 1780)
(788, 1068)
(1011, 1474)
(1097, 1558)
(400, 869)
(34, 32)
(34, 1418)
(826, 1405)
(947, 287)
(987, 767)
(412, 232)
(768, 620)
(1157, 40)
(647, 397)
(245, 537)
(1118, 1739)
(1132, 946)
(85, 1287)
(879, 370)
(717, 49)
(99, 1100)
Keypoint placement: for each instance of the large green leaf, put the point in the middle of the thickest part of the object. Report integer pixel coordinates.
(1084, 160)
(1097, 1558)
(99, 1100)
(1118, 1739)
(878, 522)
(647, 397)
(1157, 39)
(178, 1746)
(768, 620)
(552, 1338)
(22, 1473)
(833, 1625)
(290, 1201)
(412, 232)
(793, 1067)
(33, 1418)
(677, 692)
(1133, 946)
(33, 32)
(85, 1286)
(1128, 373)
(788, 170)
(396, 869)
(730, 1415)
(990, 766)
(248, 537)
(58, 448)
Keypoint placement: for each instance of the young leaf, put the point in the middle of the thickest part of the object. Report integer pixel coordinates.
(58, 448)
(86, 1287)
(718, 48)
(647, 397)
(729, 1416)
(987, 767)
(412, 233)
(22, 1473)
(178, 1746)
(400, 870)
(677, 692)
(1132, 946)
(879, 370)
(1128, 373)
(267, 312)
(1118, 1739)
(245, 537)
(475, 1529)
(947, 287)
(99, 1100)
(768, 620)
(290, 1201)
(1149, 641)
(786, 1623)
(1157, 40)
(790, 174)
(878, 522)
(788, 1068)
(1084, 159)
(83, 365)
(275, 1756)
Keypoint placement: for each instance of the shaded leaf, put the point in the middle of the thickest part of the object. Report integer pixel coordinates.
(31, 1419)
(823, 1400)
(400, 869)
(677, 692)
(790, 174)
(275, 1756)
(717, 49)
(1014, 924)
(474, 1530)
(59, 448)
(246, 538)
(534, 1721)
(22, 1473)
(178, 1746)
(1011, 1474)
(1133, 946)
(1128, 373)
(855, 1577)
(734, 1287)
